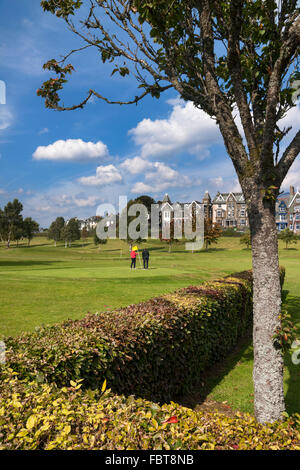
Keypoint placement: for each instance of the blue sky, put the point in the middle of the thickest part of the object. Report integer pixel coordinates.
(67, 163)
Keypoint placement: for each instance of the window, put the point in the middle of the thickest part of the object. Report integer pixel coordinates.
(291, 216)
(219, 213)
(242, 213)
(298, 200)
(297, 226)
(282, 218)
(167, 214)
(297, 216)
(243, 221)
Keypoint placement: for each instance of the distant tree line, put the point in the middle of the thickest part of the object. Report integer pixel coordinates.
(67, 232)
(12, 225)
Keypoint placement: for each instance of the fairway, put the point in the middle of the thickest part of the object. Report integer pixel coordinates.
(43, 284)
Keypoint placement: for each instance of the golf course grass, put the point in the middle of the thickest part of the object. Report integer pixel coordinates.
(43, 284)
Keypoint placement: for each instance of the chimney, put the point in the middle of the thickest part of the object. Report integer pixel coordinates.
(292, 191)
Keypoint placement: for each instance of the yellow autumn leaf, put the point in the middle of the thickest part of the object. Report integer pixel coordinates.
(22, 433)
(67, 429)
(155, 423)
(31, 422)
(51, 445)
(103, 386)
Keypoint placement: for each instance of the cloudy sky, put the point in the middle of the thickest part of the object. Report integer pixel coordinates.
(67, 163)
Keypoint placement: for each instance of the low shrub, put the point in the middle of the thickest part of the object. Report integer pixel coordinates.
(43, 417)
(156, 349)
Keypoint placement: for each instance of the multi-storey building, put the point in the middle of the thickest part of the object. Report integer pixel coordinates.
(229, 210)
(288, 211)
(294, 212)
(180, 211)
(88, 224)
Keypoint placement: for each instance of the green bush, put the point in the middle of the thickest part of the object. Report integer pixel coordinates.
(43, 417)
(156, 349)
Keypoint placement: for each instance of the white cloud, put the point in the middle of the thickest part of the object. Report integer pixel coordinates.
(292, 118)
(162, 172)
(140, 187)
(45, 130)
(187, 129)
(71, 150)
(65, 198)
(6, 117)
(225, 185)
(104, 175)
(135, 165)
(160, 178)
(88, 202)
(293, 177)
(156, 188)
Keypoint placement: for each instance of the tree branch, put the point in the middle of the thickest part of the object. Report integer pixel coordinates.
(219, 104)
(234, 66)
(288, 157)
(98, 95)
(288, 49)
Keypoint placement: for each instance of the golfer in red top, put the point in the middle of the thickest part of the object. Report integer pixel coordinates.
(133, 259)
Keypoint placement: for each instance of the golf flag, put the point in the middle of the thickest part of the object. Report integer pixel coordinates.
(135, 248)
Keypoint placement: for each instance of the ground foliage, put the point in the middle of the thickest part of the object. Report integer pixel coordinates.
(35, 416)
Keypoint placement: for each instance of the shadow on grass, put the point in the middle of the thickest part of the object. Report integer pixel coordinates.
(292, 303)
(212, 376)
(183, 250)
(212, 250)
(157, 248)
(21, 263)
(25, 245)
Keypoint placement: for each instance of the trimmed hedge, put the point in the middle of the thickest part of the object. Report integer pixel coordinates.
(43, 417)
(156, 349)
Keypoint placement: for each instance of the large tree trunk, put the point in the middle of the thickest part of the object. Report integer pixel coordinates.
(268, 361)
